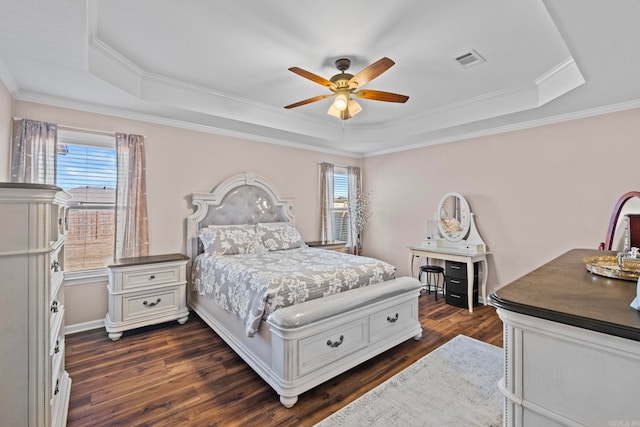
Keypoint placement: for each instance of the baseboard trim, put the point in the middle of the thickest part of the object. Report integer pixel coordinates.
(85, 326)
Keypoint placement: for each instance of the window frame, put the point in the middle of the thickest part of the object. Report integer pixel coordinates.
(341, 214)
(95, 140)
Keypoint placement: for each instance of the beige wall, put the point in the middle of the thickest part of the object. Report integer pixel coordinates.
(6, 114)
(535, 193)
(180, 162)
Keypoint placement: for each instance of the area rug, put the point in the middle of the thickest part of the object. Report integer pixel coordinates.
(454, 385)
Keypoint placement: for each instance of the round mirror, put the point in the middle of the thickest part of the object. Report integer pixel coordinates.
(454, 217)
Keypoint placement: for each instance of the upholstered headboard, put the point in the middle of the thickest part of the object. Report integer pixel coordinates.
(246, 198)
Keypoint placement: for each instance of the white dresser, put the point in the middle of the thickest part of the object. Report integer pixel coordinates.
(145, 291)
(34, 387)
(571, 347)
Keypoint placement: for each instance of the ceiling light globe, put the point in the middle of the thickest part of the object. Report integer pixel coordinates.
(341, 102)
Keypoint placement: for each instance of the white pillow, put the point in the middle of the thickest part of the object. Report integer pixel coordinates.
(279, 235)
(231, 239)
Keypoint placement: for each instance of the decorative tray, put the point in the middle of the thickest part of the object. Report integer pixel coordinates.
(607, 265)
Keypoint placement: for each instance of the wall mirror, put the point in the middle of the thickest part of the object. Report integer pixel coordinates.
(454, 217)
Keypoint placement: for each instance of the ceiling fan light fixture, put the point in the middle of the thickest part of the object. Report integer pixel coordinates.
(343, 85)
(333, 111)
(342, 102)
(354, 107)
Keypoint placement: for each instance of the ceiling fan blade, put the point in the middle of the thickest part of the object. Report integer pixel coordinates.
(313, 77)
(378, 95)
(370, 72)
(309, 101)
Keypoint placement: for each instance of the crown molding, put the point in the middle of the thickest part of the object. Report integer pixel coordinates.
(559, 118)
(269, 135)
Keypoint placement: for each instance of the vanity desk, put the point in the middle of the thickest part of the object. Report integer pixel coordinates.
(571, 345)
(456, 256)
(454, 238)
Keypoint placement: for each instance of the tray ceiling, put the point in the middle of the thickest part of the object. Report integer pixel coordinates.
(222, 66)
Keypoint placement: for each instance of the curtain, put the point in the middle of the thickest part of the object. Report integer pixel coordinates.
(353, 240)
(33, 152)
(132, 232)
(326, 202)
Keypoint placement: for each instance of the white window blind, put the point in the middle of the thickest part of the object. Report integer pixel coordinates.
(340, 209)
(86, 169)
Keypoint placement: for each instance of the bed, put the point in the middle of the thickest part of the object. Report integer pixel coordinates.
(313, 331)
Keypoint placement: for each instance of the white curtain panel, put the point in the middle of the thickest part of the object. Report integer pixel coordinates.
(326, 202)
(354, 189)
(33, 152)
(132, 231)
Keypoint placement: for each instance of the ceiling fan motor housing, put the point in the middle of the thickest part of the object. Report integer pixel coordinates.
(343, 64)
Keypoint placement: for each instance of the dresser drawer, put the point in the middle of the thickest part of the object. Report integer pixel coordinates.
(57, 358)
(459, 269)
(454, 284)
(150, 303)
(148, 276)
(56, 307)
(390, 320)
(460, 299)
(322, 349)
(55, 270)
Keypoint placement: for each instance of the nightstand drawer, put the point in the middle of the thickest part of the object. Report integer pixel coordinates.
(149, 276)
(144, 304)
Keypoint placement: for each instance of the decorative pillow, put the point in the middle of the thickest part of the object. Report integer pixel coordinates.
(279, 235)
(231, 239)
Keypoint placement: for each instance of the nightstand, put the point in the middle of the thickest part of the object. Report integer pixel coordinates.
(145, 291)
(333, 245)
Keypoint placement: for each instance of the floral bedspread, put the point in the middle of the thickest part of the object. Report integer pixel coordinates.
(254, 285)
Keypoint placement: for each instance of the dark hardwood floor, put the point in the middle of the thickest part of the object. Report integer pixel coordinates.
(185, 375)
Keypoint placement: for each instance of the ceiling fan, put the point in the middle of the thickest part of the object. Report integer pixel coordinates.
(343, 85)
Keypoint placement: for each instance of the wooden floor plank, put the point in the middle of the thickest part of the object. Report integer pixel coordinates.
(185, 375)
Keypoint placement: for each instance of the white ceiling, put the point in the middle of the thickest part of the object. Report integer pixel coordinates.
(221, 66)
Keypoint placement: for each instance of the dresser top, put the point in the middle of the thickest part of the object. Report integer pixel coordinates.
(153, 259)
(564, 291)
(23, 185)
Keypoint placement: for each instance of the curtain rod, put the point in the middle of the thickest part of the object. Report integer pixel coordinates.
(338, 166)
(85, 130)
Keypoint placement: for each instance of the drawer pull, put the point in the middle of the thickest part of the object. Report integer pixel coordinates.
(56, 349)
(335, 344)
(454, 296)
(455, 281)
(392, 319)
(54, 307)
(455, 267)
(151, 304)
(153, 276)
(57, 389)
(55, 266)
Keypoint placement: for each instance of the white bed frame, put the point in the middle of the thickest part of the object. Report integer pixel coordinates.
(300, 346)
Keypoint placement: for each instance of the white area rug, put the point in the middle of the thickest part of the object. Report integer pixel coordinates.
(454, 385)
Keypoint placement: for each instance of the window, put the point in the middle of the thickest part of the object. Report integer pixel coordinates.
(340, 209)
(87, 169)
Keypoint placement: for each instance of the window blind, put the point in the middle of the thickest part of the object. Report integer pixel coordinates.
(86, 169)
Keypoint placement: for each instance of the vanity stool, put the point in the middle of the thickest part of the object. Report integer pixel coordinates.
(433, 273)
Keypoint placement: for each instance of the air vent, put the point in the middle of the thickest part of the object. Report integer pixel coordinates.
(470, 59)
